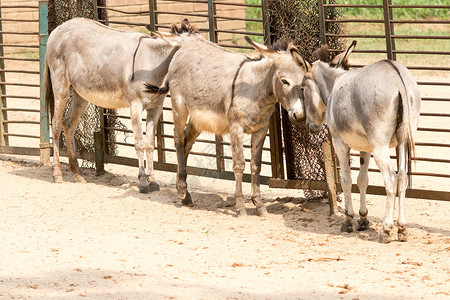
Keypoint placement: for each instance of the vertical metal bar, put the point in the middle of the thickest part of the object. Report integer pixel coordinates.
(99, 136)
(160, 143)
(391, 28)
(95, 9)
(212, 23)
(387, 28)
(3, 114)
(322, 31)
(152, 6)
(44, 123)
(266, 22)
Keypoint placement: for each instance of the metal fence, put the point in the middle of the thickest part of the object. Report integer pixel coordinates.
(226, 22)
(20, 69)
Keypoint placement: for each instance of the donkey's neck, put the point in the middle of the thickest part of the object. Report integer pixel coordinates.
(325, 76)
(259, 72)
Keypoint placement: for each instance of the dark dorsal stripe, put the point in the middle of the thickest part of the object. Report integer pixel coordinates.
(396, 70)
(134, 55)
(233, 85)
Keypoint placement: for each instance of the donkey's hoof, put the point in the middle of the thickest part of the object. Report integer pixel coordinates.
(261, 211)
(402, 235)
(153, 186)
(362, 225)
(241, 212)
(384, 237)
(346, 227)
(79, 179)
(187, 201)
(144, 189)
(57, 179)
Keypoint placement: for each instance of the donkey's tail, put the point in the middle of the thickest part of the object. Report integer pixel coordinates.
(405, 132)
(157, 90)
(49, 97)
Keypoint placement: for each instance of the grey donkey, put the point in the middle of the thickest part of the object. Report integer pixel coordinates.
(369, 110)
(219, 91)
(107, 67)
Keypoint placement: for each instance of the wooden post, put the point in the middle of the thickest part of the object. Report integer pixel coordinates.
(330, 174)
(275, 136)
(44, 145)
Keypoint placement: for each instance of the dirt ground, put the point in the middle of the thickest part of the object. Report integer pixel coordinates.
(105, 240)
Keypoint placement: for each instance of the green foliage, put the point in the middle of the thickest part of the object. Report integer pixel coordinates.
(254, 13)
(400, 13)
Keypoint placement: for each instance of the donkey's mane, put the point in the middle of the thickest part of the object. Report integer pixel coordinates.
(323, 54)
(185, 27)
(282, 45)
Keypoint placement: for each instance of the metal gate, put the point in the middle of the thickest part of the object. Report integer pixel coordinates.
(23, 120)
(226, 22)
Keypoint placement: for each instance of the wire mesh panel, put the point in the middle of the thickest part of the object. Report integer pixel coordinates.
(299, 21)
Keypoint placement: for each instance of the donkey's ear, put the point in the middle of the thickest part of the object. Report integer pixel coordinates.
(167, 37)
(263, 49)
(299, 60)
(341, 60)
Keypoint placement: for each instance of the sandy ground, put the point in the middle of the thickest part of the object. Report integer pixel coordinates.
(104, 240)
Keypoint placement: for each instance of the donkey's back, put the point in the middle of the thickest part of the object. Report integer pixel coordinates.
(373, 101)
(95, 60)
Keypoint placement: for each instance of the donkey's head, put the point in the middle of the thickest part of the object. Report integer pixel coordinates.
(319, 82)
(290, 68)
(176, 34)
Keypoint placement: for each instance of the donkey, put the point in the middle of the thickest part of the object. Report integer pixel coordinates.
(107, 67)
(370, 110)
(226, 92)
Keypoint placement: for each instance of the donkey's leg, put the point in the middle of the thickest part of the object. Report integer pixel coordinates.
(61, 91)
(257, 145)
(402, 184)
(237, 150)
(343, 153)
(70, 126)
(180, 116)
(191, 134)
(153, 115)
(139, 145)
(381, 155)
(363, 182)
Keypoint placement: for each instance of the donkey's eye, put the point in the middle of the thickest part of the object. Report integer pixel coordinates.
(284, 81)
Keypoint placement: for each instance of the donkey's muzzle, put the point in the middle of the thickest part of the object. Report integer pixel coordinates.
(296, 116)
